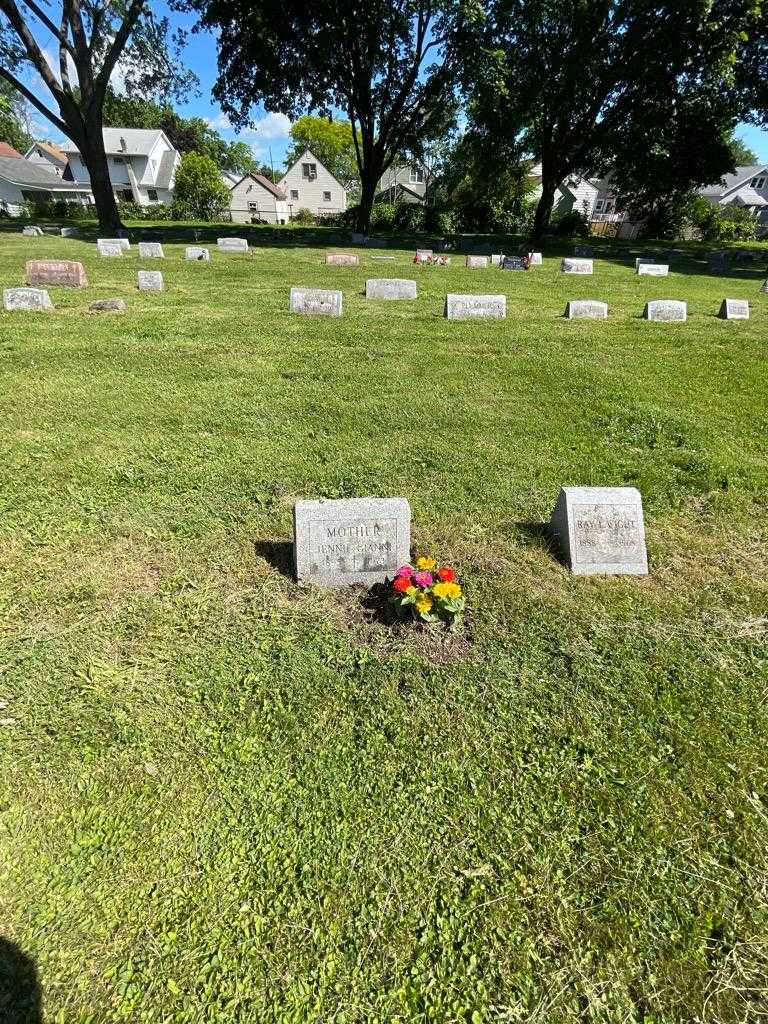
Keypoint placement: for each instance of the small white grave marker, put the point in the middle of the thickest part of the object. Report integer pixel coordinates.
(586, 309)
(151, 251)
(477, 262)
(653, 270)
(109, 248)
(150, 281)
(572, 265)
(35, 300)
(317, 301)
(601, 531)
(390, 288)
(122, 242)
(734, 309)
(342, 259)
(475, 307)
(665, 310)
(232, 244)
(196, 252)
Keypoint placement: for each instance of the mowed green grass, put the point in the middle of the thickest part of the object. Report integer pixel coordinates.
(220, 802)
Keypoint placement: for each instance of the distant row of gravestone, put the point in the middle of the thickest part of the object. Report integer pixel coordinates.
(600, 532)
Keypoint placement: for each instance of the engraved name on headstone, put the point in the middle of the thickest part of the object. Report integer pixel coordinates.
(601, 530)
(106, 248)
(150, 281)
(64, 273)
(665, 309)
(122, 242)
(475, 307)
(586, 309)
(342, 259)
(232, 244)
(197, 252)
(36, 300)
(571, 265)
(477, 262)
(319, 301)
(653, 270)
(496, 259)
(352, 540)
(734, 309)
(390, 288)
(151, 251)
(512, 263)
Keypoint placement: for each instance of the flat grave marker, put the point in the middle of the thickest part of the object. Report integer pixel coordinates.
(665, 310)
(475, 307)
(390, 288)
(512, 263)
(342, 259)
(62, 273)
(734, 309)
(197, 252)
(600, 530)
(586, 309)
(32, 231)
(232, 244)
(150, 281)
(316, 301)
(571, 265)
(653, 270)
(477, 262)
(33, 300)
(151, 251)
(350, 540)
(122, 242)
(107, 248)
(107, 306)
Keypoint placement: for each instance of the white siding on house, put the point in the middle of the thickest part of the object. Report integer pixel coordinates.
(250, 203)
(144, 174)
(413, 179)
(308, 185)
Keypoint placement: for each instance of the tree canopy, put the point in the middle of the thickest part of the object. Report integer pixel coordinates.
(200, 193)
(382, 63)
(332, 143)
(13, 118)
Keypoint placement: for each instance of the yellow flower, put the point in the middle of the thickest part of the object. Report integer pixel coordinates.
(411, 591)
(449, 590)
(425, 564)
(424, 604)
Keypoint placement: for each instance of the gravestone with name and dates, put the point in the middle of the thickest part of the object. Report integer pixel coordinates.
(107, 247)
(390, 288)
(665, 310)
(151, 251)
(34, 300)
(571, 265)
(600, 530)
(150, 281)
(342, 259)
(197, 252)
(317, 301)
(350, 540)
(232, 244)
(653, 270)
(734, 309)
(475, 307)
(124, 244)
(586, 309)
(62, 273)
(512, 263)
(477, 262)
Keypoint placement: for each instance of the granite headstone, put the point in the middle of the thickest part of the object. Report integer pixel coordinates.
(35, 300)
(586, 309)
(571, 265)
(151, 251)
(390, 288)
(342, 259)
(232, 244)
(477, 262)
(653, 270)
(150, 281)
(601, 531)
(475, 307)
(196, 252)
(62, 273)
(318, 301)
(665, 310)
(734, 309)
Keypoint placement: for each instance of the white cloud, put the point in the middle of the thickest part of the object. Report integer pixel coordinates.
(270, 128)
(220, 122)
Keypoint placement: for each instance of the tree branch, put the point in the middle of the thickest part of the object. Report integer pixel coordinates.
(34, 53)
(118, 43)
(42, 16)
(38, 104)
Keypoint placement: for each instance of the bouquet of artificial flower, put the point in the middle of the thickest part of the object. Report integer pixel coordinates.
(428, 592)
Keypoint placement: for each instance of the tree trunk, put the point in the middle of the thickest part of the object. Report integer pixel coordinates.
(95, 159)
(543, 210)
(367, 195)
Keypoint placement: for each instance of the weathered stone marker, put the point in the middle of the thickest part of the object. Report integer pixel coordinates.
(122, 242)
(150, 281)
(64, 273)
(390, 288)
(653, 269)
(232, 244)
(352, 540)
(570, 265)
(36, 300)
(318, 301)
(764, 288)
(422, 255)
(535, 259)
(70, 232)
(107, 306)
(196, 252)
(32, 231)
(497, 259)
(383, 259)
(734, 309)
(342, 259)
(106, 248)
(665, 309)
(512, 263)
(151, 251)
(586, 309)
(475, 307)
(600, 530)
(477, 262)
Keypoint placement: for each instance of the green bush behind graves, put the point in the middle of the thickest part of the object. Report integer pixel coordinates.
(223, 800)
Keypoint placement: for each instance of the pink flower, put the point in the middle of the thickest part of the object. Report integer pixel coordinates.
(404, 570)
(423, 579)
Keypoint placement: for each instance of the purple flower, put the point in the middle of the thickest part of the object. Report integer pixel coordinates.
(404, 570)
(423, 579)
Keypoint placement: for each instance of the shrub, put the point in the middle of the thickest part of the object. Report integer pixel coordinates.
(303, 216)
(721, 223)
(410, 217)
(570, 225)
(200, 191)
(383, 216)
(443, 221)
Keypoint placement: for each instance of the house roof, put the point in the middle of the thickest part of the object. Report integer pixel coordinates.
(265, 183)
(6, 150)
(51, 149)
(731, 181)
(138, 141)
(28, 175)
(308, 154)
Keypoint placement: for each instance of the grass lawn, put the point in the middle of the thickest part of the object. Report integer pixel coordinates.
(226, 800)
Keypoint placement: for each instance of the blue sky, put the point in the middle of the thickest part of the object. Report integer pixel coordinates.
(270, 130)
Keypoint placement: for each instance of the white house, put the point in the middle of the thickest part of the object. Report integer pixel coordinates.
(403, 183)
(747, 186)
(309, 185)
(23, 182)
(142, 164)
(50, 157)
(254, 199)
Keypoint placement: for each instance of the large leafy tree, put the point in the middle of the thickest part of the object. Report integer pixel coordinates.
(560, 80)
(13, 118)
(89, 38)
(200, 193)
(741, 153)
(382, 63)
(332, 143)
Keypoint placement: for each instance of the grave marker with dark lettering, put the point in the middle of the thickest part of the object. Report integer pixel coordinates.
(600, 530)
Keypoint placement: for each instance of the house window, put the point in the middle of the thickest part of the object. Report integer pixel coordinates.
(309, 171)
(294, 193)
(152, 195)
(117, 160)
(599, 206)
(757, 182)
(125, 195)
(326, 197)
(253, 207)
(416, 176)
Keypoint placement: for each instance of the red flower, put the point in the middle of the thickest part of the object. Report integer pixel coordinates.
(402, 583)
(446, 574)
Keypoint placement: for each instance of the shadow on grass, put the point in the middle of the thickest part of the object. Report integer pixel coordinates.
(540, 535)
(278, 553)
(20, 996)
